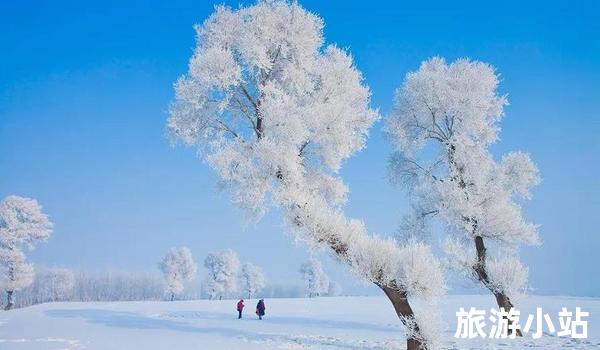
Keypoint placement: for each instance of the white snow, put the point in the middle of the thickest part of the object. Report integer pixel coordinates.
(318, 323)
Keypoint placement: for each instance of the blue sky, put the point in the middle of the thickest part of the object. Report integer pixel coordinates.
(84, 90)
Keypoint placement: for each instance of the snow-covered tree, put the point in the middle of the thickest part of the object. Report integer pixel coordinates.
(275, 114)
(335, 289)
(178, 267)
(22, 225)
(49, 284)
(57, 283)
(16, 273)
(315, 279)
(253, 279)
(222, 273)
(118, 286)
(445, 117)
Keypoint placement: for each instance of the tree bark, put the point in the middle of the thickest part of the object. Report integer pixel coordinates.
(480, 269)
(404, 311)
(398, 298)
(10, 300)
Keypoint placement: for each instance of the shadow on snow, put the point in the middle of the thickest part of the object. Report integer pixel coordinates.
(176, 321)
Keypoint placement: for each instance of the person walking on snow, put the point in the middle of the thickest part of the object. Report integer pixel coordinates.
(260, 308)
(240, 307)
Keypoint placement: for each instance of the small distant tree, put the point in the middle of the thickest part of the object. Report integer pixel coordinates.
(335, 289)
(57, 283)
(317, 282)
(445, 118)
(22, 225)
(253, 279)
(178, 267)
(222, 273)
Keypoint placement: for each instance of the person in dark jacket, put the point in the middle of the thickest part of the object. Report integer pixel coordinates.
(260, 309)
(240, 307)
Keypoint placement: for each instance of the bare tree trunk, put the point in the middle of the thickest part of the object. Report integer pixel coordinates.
(172, 296)
(10, 300)
(480, 269)
(398, 298)
(404, 311)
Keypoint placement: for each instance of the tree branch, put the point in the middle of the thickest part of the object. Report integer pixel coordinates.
(302, 148)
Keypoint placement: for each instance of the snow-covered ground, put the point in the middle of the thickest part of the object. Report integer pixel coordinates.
(321, 323)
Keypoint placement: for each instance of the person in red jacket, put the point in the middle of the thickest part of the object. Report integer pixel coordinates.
(240, 307)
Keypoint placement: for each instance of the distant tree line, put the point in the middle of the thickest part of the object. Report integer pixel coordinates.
(175, 279)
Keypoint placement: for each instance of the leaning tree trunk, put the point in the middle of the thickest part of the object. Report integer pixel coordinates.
(480, 269)
(404, 311)
(399, 300)
(10, 300)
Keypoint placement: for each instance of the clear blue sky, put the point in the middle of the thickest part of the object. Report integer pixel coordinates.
(84, 90)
